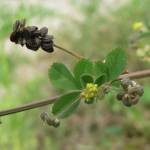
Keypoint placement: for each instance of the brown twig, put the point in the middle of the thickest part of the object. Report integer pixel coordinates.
(136, 75)
(69, 52)
(29, 106)
(36, 104)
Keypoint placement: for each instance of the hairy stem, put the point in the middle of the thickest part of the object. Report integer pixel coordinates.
(29, 106)
(69, 52)
(136, 75)
(51, 100)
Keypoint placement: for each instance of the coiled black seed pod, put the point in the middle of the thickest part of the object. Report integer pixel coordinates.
(47, 43)
(31, 37)
(33, 44)
(56, 123)
(125, 83)
(17, 34)
(43, 31)
(120, 95)
(126, 100)
(14, 37)
(131, 92)
(16, 26)
(29, 32)
(135, 100)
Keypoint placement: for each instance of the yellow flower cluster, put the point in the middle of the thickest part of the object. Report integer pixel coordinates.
(137, 26)
(90, 91)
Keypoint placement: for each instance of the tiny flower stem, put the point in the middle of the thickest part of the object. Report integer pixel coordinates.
(69, 52)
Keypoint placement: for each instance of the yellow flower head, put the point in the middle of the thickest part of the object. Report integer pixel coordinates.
(90, 91)
(137, 26)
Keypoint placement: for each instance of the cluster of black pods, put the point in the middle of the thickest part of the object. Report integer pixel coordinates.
(31, 36)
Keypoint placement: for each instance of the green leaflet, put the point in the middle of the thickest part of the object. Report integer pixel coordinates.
(61, 77)
(65, 101)
(86, 79)
(84, 66)
(100, 68)
(116, 63)
(100, 80)
(70, 109)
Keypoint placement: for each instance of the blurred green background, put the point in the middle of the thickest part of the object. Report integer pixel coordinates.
(91, 28)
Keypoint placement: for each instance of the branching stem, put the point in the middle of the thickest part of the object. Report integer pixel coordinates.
(51, 100)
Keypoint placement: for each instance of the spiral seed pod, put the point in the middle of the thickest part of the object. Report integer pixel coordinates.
(126, 100)
(56, 123)
(29, 32)
(135, 99)
(33, 44)
(120, 95)
(31, 37)
(17, 34)
(140, 91)
(47, 43)
(44, 116)
(125, 82)
(136, 90)
(31, 29)
(50, 121)
(43, 31)
(14, 37)
(16, 26)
